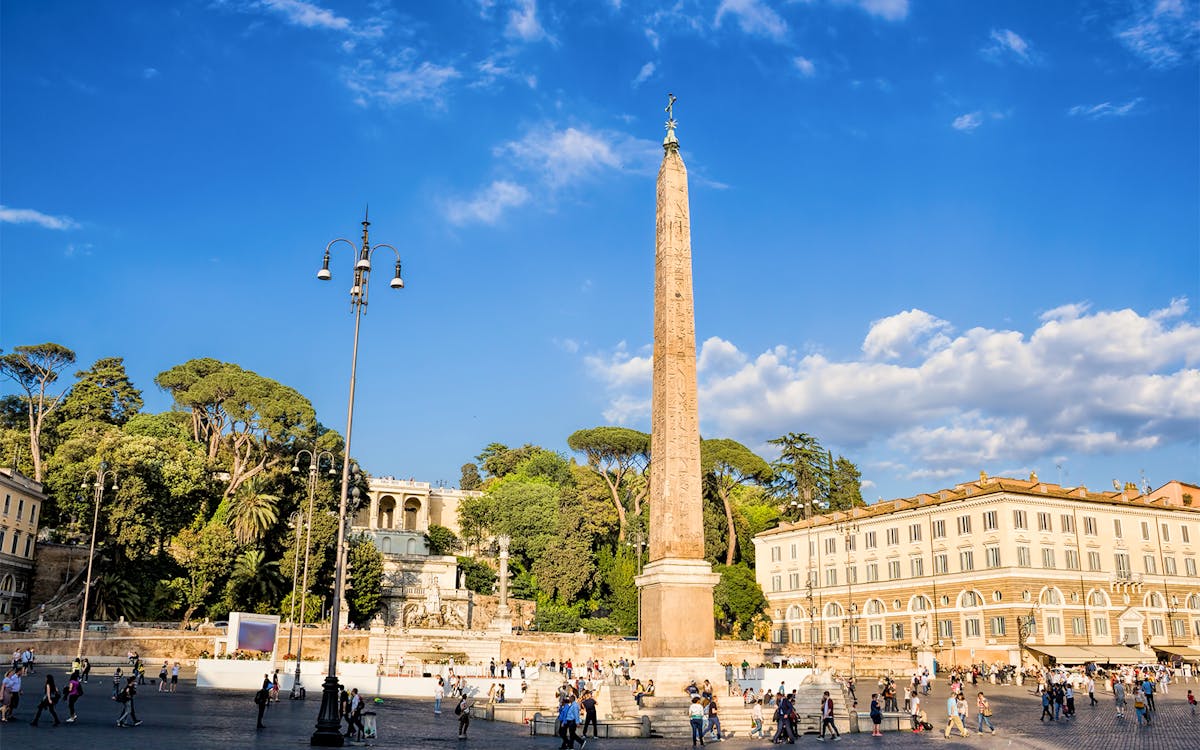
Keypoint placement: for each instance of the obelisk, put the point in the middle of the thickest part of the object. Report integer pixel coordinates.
(676, 642)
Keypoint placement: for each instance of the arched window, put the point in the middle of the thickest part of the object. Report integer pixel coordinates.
(874, 607)
(920, 603)
(833, 609)
(387, 510)
(1051, 597)
(970, 598)
(1193, 601)
(386, 544)
(1154, 600)
(1097, 599)
(411, 507)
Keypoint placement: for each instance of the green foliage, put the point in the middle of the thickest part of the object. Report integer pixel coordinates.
(845, 485)
(556, 618)
(498, 460)
(34, 369)
(312, 606)
(599, 626)
(527, 511)
(254, 583)
(365, 579)
(477, 575)
(808, 480)
(252, 511)
(619, 593)
(441, 540)
(564, 567)
(737, 598)
(115, 595)
(469, 478)
(102, 393)
(754, 512)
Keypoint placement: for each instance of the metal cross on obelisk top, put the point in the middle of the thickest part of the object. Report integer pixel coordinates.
(670, 140)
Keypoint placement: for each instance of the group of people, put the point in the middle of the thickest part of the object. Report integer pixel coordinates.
(48, 698)
(572, 708)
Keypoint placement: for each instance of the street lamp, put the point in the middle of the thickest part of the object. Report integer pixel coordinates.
(637, 541)
(329, 722)
(848, 530)
(314, 466)
(103, 475)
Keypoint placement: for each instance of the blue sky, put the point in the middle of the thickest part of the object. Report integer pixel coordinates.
(941, 236)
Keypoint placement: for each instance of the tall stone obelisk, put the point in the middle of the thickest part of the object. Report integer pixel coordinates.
(677, 584)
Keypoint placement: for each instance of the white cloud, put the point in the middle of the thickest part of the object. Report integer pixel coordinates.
(1104, 109)
(308, 15)
(967, 122)
(1082, 382)
(891, 10)
(805, 66)
(149, 73)
(643, 74)
(753, 17)
(523, 22)
(565, 156)
(400, 81)
(487, 205)
(1007, 43)
(9, 215)
(1164, 33)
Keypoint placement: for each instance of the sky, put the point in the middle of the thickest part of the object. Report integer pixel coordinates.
(942, 237)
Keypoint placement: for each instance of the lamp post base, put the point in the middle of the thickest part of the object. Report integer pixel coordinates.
(297, 688)
(329, 722)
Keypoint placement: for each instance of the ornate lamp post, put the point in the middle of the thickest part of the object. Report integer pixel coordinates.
(102, 475)
(314, 467)
(296, 519)
(328, 732)
(637, 540)
(848, 530)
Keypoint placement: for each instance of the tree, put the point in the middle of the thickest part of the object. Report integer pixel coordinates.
(441, 540)
(498, 460)
(727, 464)
(255, 583)
(477, 575)
(206, 552)
(613, 452)
(845, 485)
(616, 574)
(469, 478)
(564, 568)
(737, 597)
(527, 511)
(115, 596)
(34, 369)
(252, 511)
(800, 473)
(366, 579)
(102, 393)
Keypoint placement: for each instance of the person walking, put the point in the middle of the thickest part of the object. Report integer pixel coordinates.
(1118, 688)
(589, 715)
(1069, 693)
(439, 692)
(14, 691)
(356, 729)
(261, 699)
(827, 718)
(87, 669)
(1139, 707)
(125, 696)
(953, 718)
(74, 690)
(1191, 699)
(984, 707)
(714, 721)
(756, 720)
(174, 676)
(876, 715)
(695, 717)
(783, 720)
(1091, 688)
(162, 677)
(49, 698)
(463, 710)
(1148, 689)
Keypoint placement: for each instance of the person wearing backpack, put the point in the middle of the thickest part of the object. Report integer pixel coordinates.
(261, 698)
(74, 690)
(49, 698)
(125, 697)
(463, 711)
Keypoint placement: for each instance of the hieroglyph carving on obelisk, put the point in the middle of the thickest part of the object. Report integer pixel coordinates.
(677, 599)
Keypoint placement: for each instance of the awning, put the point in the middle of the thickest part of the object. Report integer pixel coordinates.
(1119, 655)
(1180, 651)
(1064, 654)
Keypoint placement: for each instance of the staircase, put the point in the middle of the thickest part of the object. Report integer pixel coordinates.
(669, 715)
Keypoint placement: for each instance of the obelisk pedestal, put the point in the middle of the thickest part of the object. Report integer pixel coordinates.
(676, 639)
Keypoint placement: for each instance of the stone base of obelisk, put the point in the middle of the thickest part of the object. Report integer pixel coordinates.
(677, 633)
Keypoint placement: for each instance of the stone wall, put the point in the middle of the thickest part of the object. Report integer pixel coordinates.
(56, 564)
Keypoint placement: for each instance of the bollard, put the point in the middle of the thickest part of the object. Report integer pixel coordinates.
(370, 730)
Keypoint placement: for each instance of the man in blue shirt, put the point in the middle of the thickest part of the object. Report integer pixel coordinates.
(568, 720)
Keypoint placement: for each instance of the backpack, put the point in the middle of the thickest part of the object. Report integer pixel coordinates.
(458, 710)
(54, 695)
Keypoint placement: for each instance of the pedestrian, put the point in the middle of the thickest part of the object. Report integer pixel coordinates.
(589, 715)
(756, 720)
(87, 669)
(1191, 699)
(49, 698)
(714, 721)
(953, 718)
(917, 721)
(162, 677)
(1148, 689)
(274, 686)
(356, 729)
(174, 676)
(439, 692)
(463, 710)
(1118, 688)
(827, 718)
(1139, 707)
(13, 681)
(261, 698)
(125, 696)
(985, 713)
(783, 720)
(695, 718)
(877, 714)
(74, 690)
(1069, 692)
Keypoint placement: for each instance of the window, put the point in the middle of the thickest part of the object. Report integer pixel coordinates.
(1122, 563)
(797, 635)
(971, 599)
(1100, 625)
(7, 502)
(1078, 626)
(893, 537)
(897, 631)
(1156, 626)
(813, 579)
(920, 604)
(33, 513)
(1019, 520)
(831, 546)
(1, 540)
(989, 521)
(1068, 523)
(893, 569)
(1169, 566)
(1178, 628)
(854, 634)
(971, 627)
(831, 577)
(852, 574)
(914, 532)
(851, 543)
(835, 634)
(20, 508)
(1052, 597)
(997, 626)
(1093, 561)
(1149, 564)
(871, 540)
(1023, 558)
(1166, 533)
(993, 557)
(941, 563)
(939, 529)
(1117, 528)
(776, 583)
(1089, 525)
(1044, 523)
(28, 541)
(872, 572)
(875, 632)
(964, 525)
(793, 581)
(775, 554)
(1189, 566)
(917, 567)
(1183, 534)
(16, 536)
(793, 552)
(1073, 559)
(1145, 530)
(1048, 557)
(1053, 625)
(966, 560)
(945, 628)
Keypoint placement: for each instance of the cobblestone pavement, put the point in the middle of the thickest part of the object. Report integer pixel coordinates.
(191, 719)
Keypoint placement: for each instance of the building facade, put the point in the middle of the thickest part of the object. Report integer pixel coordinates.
(19, 516)
(994, 570)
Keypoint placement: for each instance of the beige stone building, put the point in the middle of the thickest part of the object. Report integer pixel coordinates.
(19, 516)
(990, 570)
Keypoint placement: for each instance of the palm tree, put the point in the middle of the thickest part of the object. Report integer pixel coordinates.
(252, 511)
(255, 579)
(115, 596)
